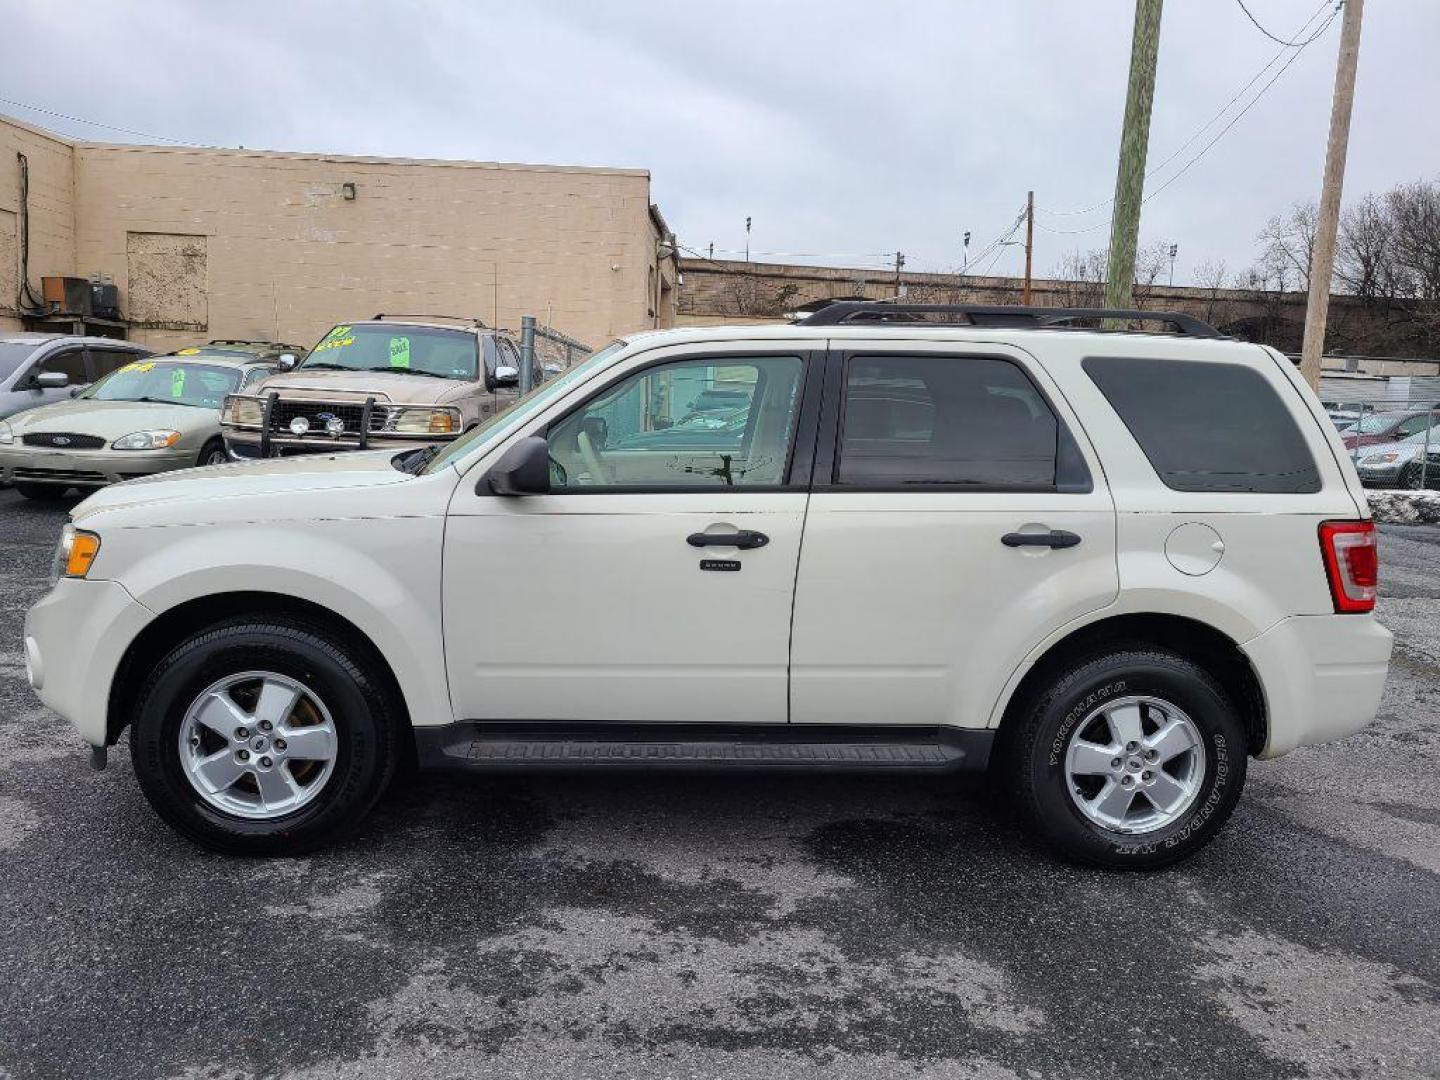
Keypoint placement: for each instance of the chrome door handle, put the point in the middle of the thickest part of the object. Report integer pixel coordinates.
(1055, 538)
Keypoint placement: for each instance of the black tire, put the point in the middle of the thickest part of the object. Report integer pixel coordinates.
(213, 453)
(367, 729)
(1033, 757)
(42, 492)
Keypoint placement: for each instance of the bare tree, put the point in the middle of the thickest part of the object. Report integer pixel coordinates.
(1150, 262)
(1211, 276)
(1080, 278)
(1289, 242)
(1364, 257)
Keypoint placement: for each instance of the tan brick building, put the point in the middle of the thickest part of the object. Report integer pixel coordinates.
(207, 243)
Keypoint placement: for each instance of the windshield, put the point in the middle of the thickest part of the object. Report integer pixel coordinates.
(522, 408)
(167, 382)
(12, 355)
(415, 350)
(1377, 422)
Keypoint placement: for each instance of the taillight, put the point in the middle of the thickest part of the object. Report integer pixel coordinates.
(1352, 562)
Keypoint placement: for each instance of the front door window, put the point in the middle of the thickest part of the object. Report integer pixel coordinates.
(692, 425)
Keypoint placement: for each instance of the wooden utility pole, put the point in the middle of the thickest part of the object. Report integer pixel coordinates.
(1322, 261)
(1134, 143)
(899, 265)
(1029, 244)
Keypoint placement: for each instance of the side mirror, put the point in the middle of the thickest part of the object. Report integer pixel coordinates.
(506, 376)
(76, 391)
(52, 380)
(524, 469)
(286, 362)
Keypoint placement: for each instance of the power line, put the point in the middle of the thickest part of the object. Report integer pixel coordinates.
(1218, 135)
(1205, 126)
(92, 123)
(1297, 43)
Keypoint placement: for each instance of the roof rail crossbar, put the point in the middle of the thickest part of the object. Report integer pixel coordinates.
(471, 319)
(862, 312)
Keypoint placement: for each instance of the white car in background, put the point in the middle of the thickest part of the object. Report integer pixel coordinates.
(1108, 567)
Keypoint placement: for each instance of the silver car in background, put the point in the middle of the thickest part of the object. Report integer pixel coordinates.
(37, 369)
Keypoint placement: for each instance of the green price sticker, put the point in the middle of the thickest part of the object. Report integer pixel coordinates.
(400, 352)
(177, 383)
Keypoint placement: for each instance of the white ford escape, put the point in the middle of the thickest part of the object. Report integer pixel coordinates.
(1107, 566)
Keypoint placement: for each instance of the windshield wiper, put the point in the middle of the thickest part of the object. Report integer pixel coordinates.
(321, 365)
(416, 460)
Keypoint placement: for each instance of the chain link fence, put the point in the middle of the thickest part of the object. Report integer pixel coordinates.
(557, 352)
(1393, 443)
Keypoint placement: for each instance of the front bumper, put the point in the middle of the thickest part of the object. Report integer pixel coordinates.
(244, 444)
(86, 468)
(1322, 676)
(1380, 475)
(75, 636)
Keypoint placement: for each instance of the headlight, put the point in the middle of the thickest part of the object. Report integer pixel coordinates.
(146, 440)
(242, 410)
(1387, 458)
(424, 421)
(75, 553)
(6, 435)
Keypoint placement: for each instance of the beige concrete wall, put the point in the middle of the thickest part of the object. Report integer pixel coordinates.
(265, 244)
(52, 211)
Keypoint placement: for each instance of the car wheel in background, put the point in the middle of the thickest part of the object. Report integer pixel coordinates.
(263, 736)
(1133, 759)
(214, 453)
(42, 492)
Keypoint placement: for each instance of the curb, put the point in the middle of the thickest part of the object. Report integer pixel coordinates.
(1405, 507)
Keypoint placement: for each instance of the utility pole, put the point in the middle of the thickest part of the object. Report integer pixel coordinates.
(1029, 243)
(1322, 261)
(899, 265)
(1174, 250)
(965, 258)
(747, 238)
(1134, 143)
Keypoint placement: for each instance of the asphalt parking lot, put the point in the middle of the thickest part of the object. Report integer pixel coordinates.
(638, 926)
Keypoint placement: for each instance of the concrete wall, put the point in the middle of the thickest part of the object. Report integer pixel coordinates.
(52, 211)
(253, 244)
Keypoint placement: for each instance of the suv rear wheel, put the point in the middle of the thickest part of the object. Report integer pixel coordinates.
(1131, 759)
(263, 736)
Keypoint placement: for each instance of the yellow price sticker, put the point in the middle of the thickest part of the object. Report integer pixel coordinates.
(147, 365)
(188, 352)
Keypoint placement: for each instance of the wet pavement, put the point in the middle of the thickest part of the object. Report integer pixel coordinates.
(666, 926)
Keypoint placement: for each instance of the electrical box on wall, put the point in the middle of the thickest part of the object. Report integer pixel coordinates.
(66, 295)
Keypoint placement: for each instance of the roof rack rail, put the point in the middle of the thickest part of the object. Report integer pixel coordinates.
(863, 312)
(471, 319)
(245, 341)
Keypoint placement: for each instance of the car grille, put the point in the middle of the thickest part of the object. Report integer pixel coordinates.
(63, 440)
(62, 475)
(317, 412)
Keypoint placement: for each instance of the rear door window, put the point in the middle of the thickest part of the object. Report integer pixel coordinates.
(1207, 426)
(974, 422)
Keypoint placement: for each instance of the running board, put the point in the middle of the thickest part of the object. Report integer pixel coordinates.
(489, 747)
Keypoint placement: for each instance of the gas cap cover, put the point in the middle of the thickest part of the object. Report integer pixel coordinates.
(1194, 548)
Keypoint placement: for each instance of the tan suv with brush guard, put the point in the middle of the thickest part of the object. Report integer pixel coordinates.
(385, 383)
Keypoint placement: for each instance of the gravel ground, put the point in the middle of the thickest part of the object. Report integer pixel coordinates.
(660, 926)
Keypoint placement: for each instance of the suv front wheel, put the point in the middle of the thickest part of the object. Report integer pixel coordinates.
(264, 737)
(1133, 759)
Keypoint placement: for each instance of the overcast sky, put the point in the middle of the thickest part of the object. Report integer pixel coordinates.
(842, 128)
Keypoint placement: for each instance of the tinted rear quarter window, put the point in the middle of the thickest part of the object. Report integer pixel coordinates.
(1207, 426)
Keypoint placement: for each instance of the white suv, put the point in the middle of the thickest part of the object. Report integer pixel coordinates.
(1107, 566)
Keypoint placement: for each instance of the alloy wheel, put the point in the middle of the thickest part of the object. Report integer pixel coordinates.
(1135, 764)
(257, 745)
